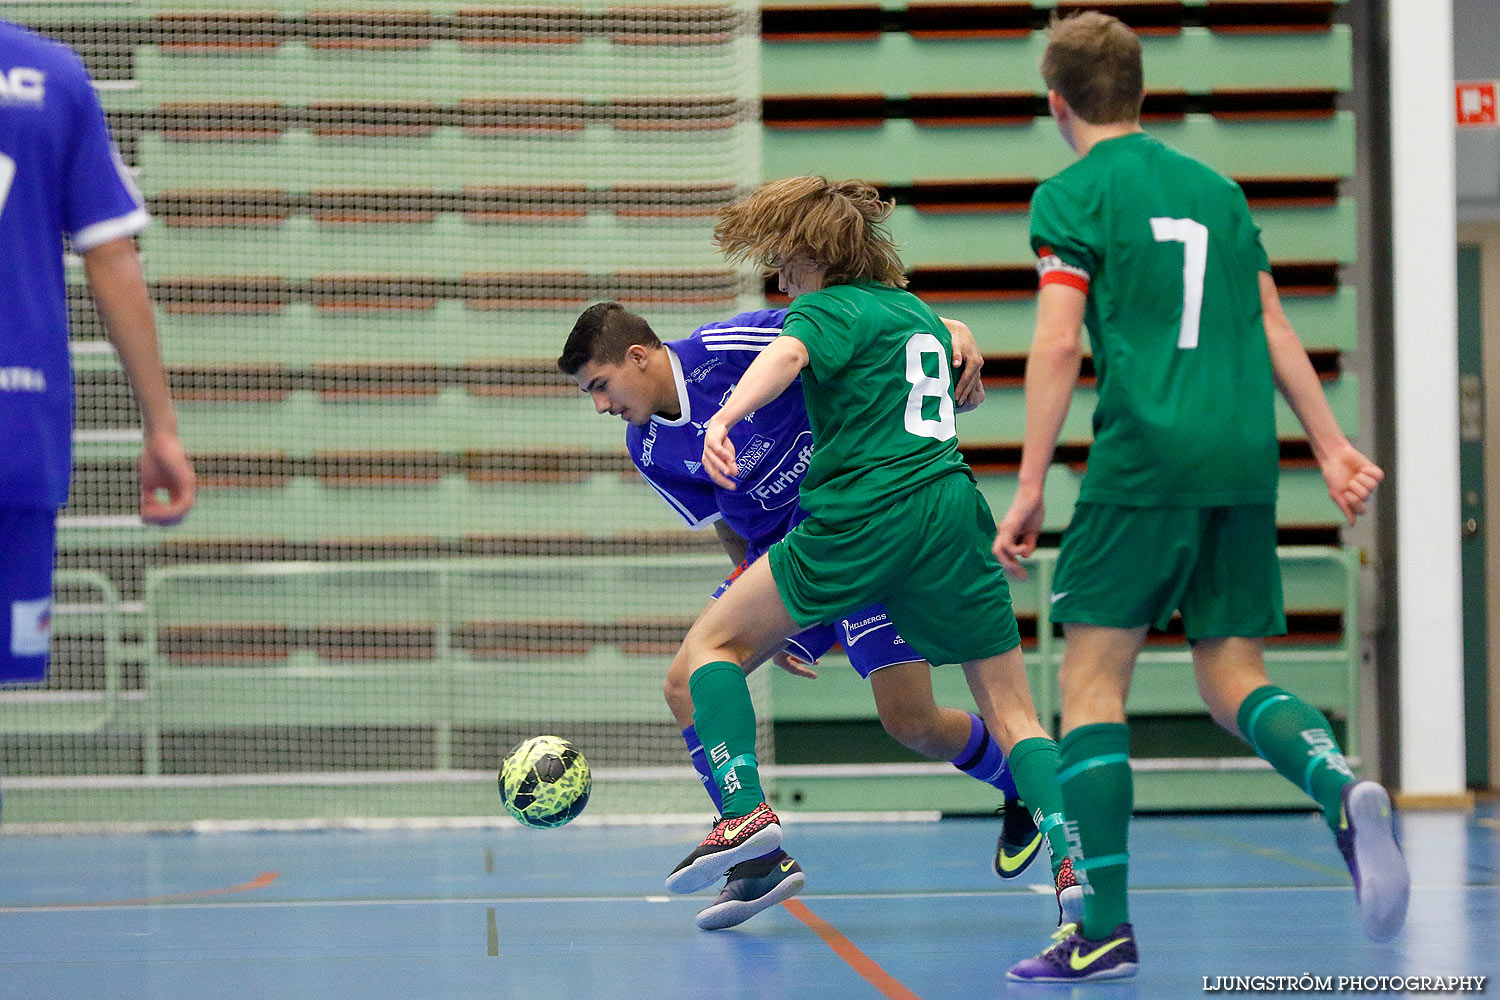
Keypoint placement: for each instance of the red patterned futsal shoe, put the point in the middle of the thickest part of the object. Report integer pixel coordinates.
(732, 840)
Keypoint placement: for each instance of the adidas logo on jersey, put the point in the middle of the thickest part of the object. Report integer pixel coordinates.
(23, 85)
(692, 466)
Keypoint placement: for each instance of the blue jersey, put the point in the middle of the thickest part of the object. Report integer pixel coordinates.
(60, 174)
(773, 445)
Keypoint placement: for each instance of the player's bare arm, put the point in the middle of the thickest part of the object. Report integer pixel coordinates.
(768, 376)
(1051, 372)
(1351, 477)
(968, 362)
(114, 276)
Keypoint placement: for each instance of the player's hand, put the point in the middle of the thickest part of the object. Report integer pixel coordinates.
(1018, 531)
(972, 401)
(786, 661)
(164, 465)
(718, 455)
(968, 366)
(1351, 478)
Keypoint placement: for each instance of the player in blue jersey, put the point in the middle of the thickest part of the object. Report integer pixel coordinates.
(666, 392)
(61, 177)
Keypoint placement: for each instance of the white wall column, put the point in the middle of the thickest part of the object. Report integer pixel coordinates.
(1424, 244)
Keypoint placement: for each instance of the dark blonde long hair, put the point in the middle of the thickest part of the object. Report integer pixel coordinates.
(834, 224)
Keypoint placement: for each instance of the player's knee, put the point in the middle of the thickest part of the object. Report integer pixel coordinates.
(676, 690)
(679, 699)
(1223, 708)
(913, 730)
(702, 647)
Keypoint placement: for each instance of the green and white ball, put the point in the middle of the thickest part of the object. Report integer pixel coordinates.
(545, 782)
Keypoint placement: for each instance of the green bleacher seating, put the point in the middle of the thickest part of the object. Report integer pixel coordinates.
(1195, 60)
(902, 151)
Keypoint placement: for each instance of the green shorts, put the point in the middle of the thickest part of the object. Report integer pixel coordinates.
(926, 558)
(1131, 566)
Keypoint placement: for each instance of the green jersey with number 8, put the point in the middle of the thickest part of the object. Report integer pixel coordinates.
(879, 394)
(1166, 251)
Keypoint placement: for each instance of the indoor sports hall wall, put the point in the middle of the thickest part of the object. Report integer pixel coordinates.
(415, 543)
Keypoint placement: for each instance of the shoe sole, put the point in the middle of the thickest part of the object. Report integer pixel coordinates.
(1122, 971)
(1385, 884)
(708, 869)
(735, 912)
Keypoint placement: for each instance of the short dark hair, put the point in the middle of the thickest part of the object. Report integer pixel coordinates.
(1094, 61)
(603, 333)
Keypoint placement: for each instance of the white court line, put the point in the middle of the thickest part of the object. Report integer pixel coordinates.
(302, 904)
(495, 824)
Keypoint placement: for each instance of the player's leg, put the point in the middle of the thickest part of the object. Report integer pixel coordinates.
(1293, 736)
(680, 701)
(1098, 797)
(1120, 569)
(29, 537)
(951, 601)
(1094, 765)
(748, 618)
(910, 714)
(675, 689)
(1003, 694)
(1233, 600)
(902, 687)
(759, 883)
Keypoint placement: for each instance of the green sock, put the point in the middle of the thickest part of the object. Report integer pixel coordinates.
(1296, 739)
(1099, 796)
(724, 719)
(1033, 765)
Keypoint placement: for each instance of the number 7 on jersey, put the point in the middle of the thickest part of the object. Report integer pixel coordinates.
(1194, 239)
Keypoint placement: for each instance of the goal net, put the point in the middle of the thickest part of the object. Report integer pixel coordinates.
(415, 542)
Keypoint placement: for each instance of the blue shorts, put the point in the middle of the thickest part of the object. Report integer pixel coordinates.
(28, 537)
(868, 637)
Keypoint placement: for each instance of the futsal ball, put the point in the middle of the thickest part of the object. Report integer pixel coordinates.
(545, 782)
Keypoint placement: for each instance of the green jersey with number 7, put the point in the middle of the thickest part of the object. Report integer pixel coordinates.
(1167, 253)
(879, 396)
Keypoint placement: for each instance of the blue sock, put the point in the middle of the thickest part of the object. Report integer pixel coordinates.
(983, 759)
(700, 764)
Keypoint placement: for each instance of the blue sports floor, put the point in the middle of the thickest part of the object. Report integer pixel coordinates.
(894, 910)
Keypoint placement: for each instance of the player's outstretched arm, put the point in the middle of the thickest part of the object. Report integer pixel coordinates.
(119, 288)
(1351, 477)
(1051, 372)
(768, 376)
(968, 363)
